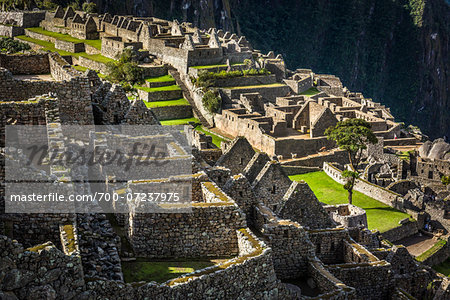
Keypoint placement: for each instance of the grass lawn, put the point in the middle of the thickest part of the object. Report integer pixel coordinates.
(47, 46)
(164, 78)
(216, 66)
(311, 92)
(180, 121)
(65, 37)
(181, 101)
(215, 138)
(379, 216)
(160, 271)
(159, 89)
(254, 86)
(443, 268)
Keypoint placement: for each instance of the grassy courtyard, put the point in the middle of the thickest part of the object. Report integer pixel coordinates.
(379, 216)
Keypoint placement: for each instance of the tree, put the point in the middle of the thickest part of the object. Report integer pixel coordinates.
(352, 135)
(445, 180)
(89, 7)
(212, 101)
(125, 69)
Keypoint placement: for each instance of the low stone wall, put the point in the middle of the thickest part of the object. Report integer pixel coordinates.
(10, 31)
(160, 95)
(69, 46)
(172, 112)
(154, 71)
(91, 50)
(406, 228)
(338, 156)
(25, 63)
(295, 170)
(60, 69)
(90, 64)
(269, 93)
(400, 142)
(372, 190)
(347, 215)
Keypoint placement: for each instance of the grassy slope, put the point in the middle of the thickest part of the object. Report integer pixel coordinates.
(215, 138)
(47, 46)
(179, 121)
(159, 89)
(159, 271)
(164, 78)
(379, 215)
(178, 102)
(65, 37)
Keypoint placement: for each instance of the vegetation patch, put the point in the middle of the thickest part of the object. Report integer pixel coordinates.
(159, 89)
(427, 254)
(164, 78)
(180, 121)
(48, 46)
(65, 37)
(310, 92)
(160, 271)
(212, 101)
(217, 140)
(379, 215)
(178, 102)
(216, 66)
(10, 46)
(208, 79)
(443, 268)
(254, 86)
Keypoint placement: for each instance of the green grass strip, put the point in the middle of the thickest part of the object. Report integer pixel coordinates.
(310, 92)
(164, 78)
(379, 215)
(177, 102)
(217, 140)
(216, 66)
(159, 89)
(48, 46)
(179, 121)
(254, 86)
(436, 247)
(65, 37)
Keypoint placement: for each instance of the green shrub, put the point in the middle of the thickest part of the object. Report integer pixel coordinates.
(212, 101)
(9, 45)
(125, 69)
(90, 7)
(445, 180)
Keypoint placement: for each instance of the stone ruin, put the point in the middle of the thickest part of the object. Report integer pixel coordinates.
(279, 240)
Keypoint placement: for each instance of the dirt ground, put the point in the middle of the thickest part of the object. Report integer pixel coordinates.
(43, 77)
(417, 244)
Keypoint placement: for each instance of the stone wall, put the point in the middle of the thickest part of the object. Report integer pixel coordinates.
(439, 256)
(25, 63)
(328, 244)
(22, 18)
(245, 80)
(10, 30)
(372, 190)
(172, 112)
(42, 271)
(208, 231)
(405, 229)
(347, 215)
(90, 64)
(69, 46)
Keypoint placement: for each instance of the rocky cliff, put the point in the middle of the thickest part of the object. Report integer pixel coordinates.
(395, 51)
